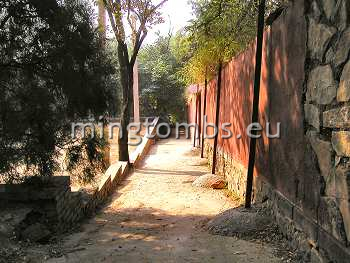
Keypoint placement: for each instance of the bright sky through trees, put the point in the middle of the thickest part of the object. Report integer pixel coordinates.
(176, 14)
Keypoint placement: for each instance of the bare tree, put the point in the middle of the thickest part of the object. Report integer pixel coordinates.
(121, 13)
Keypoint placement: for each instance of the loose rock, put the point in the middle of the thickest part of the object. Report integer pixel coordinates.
(210, 181)
(36, 233)
(240, 222)
(329, 7)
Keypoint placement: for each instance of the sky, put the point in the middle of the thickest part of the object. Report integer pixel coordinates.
(176, 14)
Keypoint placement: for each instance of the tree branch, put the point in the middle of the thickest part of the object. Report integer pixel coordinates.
(3, 22)
(109, 9)
(137, 48)
(158, 6)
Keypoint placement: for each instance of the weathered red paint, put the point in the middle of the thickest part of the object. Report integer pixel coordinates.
(283, 162)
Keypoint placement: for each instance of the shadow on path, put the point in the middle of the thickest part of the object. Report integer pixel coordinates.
(156, 215)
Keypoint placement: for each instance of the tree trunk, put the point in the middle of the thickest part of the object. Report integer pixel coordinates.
(126, 75)
(102, 21)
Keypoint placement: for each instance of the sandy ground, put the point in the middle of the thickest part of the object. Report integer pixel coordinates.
(157, 216)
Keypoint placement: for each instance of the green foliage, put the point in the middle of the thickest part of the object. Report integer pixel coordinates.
(221, 30)
(86, 159)
(114, 87)
(161, 85)
(53, 70)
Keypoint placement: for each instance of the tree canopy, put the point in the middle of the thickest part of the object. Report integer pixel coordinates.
(161, 85)
(52, 71)
(221, 29)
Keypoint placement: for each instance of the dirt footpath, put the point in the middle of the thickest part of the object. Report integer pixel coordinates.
(157, 216)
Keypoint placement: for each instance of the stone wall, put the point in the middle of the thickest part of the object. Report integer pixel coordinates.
(327, 116)
(53, 202)
(233, 171)
(55, 207)
(305, 175)
(138, 155)
(72, 207)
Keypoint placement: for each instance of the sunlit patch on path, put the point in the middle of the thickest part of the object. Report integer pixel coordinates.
(156, 215)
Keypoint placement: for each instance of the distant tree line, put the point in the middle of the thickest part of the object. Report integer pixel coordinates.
(162, 87)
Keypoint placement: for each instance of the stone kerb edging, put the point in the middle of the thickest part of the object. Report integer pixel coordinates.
(116, 172)
(113, 176)
(71, 207)
(144, 147)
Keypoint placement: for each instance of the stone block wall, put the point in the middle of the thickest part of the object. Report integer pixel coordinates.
(72, 207)
(61, 208)
(304, 176)
(138, 155)
(233, 171)
(42, 196)
(327, 118)
(53, 199)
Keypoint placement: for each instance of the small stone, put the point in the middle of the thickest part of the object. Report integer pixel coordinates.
(337, 160)
(218, 184)
(321, 85)
(342, 16)
(209, 181)
(312, 115)
(342, 49)
(342, 187)
(319, 37)
(337, 118)
(324, 151)
(341, 143)
(343, 93)
(36, 232)
(6, 230)
(329, 7)
(7, 217)
(315, 11)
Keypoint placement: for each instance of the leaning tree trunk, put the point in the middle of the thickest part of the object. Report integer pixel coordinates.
(126, 75)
